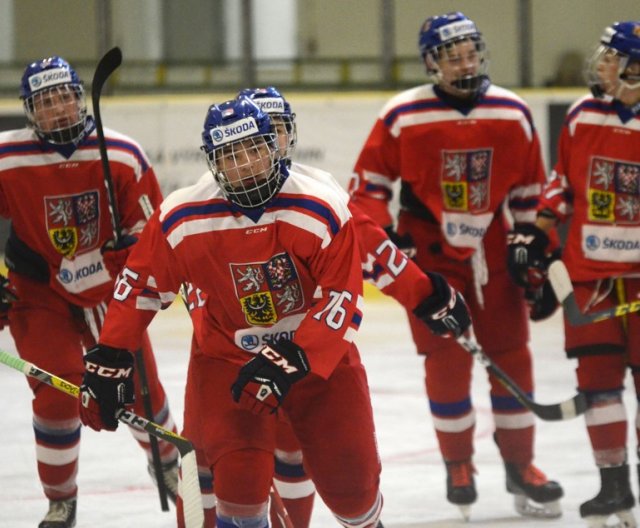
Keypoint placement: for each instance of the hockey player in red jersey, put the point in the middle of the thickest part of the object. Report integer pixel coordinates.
(384, 266)
(60, 270)
(595, 185)
(468, 158)
(272, 255)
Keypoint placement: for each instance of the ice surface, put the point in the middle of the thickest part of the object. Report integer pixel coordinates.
(116, 491)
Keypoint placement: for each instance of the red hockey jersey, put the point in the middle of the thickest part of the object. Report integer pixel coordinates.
(596, 182)
(291, 270)
(383, 264)
(462, 164)
(58, 206)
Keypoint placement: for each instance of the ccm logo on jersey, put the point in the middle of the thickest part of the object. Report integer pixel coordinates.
(106, 372)
(255, 230)
(278, 360)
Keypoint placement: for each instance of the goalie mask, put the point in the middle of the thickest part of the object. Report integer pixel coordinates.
(614, 67)
(54, 101)
(242, 151)
(271, 101)
(454, 54)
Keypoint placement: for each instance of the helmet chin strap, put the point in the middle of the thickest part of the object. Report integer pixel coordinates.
(468, 83)
(597, 91)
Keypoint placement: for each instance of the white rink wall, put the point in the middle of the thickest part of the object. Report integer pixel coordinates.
(331, 128)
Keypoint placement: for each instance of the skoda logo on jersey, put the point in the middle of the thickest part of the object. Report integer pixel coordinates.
(592, 242)
(66, 277)
(452, 229)
(249, 342)
(238, 130)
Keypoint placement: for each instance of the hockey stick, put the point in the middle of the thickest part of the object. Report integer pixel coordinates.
(107, 65)
(550, 412)
(280, 510)
(190, 489)
(562, 287)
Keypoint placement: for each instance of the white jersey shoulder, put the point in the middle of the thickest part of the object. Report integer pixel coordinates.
(588, 97)
(17, 135)
(16, 156)
(205, 189)
(321, 175)
(417, 93)
(109, 133)
(317, 184)
(499, 91)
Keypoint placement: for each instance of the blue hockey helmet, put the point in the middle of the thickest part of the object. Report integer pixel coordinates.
(271, 101)
(241, 146)
(437, 39)
(619, 43)
(54, 100)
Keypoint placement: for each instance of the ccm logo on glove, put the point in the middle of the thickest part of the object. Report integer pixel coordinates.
(107, 372)
(278, 360)
(264, 381)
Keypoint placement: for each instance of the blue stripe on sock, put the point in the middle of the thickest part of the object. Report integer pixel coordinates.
(450, 409)
(57, 438)
(289, 470)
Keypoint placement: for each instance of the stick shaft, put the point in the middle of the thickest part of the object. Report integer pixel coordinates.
(550, 412)
(107, 65)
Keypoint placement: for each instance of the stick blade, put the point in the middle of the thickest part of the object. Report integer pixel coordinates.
(565, 410)
(190, 492)
(560, 280)
(107, 65)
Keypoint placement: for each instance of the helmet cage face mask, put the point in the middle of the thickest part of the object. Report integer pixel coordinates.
(58, 114)
(287, 132)
(454, 53)
(615, 64)
(272, 102)
(54, 101)
(442, 61)
(247, 170)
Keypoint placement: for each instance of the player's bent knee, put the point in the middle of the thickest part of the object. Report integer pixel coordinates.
(54, 405)
(368, 519)
(244, 477)
(600, 372)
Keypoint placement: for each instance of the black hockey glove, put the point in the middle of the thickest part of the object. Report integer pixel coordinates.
(7, 297)
(265, 380)
(115, 254)
(542, 301)
(526, 257)
(107, 386)
(444, 311)
(404, 242)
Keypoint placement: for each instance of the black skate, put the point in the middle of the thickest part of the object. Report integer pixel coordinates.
(614, 499)
(534, 494)
(170, 475)
(61, 514)
(461, 487)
